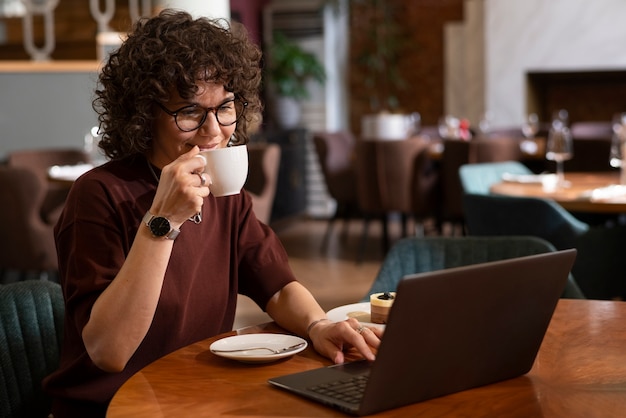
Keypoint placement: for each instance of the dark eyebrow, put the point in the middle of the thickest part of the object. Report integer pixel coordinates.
(230, 99)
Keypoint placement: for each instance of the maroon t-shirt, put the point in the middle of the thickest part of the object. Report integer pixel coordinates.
(229, 252)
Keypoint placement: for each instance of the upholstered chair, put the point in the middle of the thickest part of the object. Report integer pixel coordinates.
(407, 179)
(423, 254)
(396, 177)
(39, 161)
(600, 263)
(27, 244)
(457, 153)
(478, 178)
(264, 162)
(336, 156)
(501, 148)
(369, 193)
(592, 129)
(508, 131)
(31, 320)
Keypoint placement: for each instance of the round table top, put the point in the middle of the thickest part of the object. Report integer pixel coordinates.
(597, 192)
(579, 371)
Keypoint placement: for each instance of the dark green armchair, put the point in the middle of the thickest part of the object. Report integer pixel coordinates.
(477, 178)
(422, 254)
(31, 330)
(600, 264)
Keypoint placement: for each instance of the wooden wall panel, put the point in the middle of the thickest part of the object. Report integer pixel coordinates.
(420, 63)
(74, 28)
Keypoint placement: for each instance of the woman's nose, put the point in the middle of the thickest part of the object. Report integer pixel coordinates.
(210, 127)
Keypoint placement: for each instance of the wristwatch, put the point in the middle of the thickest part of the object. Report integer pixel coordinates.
(160, 226)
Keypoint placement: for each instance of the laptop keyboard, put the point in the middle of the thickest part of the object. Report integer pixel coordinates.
(348, 390)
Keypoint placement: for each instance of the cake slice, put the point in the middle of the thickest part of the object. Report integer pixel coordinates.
(380, 304)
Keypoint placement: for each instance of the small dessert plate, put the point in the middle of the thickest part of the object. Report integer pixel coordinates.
(258, 348)
(359, 311)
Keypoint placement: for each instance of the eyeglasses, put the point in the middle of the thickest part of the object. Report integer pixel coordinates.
(189, 118)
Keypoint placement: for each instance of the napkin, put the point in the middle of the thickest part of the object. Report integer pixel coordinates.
(612, 192)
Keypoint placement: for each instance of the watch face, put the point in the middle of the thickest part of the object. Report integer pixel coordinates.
(159, 226)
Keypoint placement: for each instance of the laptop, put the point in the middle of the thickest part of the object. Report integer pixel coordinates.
(448, 331)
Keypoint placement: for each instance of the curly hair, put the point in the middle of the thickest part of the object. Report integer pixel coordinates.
(166, 52)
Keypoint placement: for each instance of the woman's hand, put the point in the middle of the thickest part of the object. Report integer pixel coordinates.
(182, 187)
(332, 339)
(294, 308)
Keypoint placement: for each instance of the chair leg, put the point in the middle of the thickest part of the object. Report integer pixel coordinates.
(329, 230)
(345, 229)
(363, 242)
(344, 214)
(385, 241)
(404, 221)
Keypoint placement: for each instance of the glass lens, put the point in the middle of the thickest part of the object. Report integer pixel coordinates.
(190, 117)
(227, 113)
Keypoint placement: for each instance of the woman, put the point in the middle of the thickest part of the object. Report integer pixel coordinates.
(150, 261)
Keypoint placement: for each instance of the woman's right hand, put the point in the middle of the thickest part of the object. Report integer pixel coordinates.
(182, 188)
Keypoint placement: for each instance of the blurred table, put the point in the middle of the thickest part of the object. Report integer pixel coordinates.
(596, 192)
(67, 174)
(530, 149)
(580, 371)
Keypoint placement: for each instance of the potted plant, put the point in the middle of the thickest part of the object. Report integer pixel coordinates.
(290, 69)
(378, 51)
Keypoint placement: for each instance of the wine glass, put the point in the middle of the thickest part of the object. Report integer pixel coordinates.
(530, 127)
(616, 156)
(484, 126)
(618, 145)
(559, 148)
(449, 127)
(562, 115)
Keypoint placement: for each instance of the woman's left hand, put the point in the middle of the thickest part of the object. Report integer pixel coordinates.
(332, 339)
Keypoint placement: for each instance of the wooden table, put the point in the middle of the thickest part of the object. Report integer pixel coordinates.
(531, 149)
(576, 197)
(580, 372)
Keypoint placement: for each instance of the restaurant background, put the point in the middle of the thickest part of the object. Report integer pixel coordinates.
(462, 58)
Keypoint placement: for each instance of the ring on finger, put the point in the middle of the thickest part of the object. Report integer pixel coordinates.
(360, 329)
(202, 178)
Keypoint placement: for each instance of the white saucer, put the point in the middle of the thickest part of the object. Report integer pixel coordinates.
(360, 311)
(275, 341)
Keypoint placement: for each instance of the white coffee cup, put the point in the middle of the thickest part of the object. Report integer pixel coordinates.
(228, 169)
